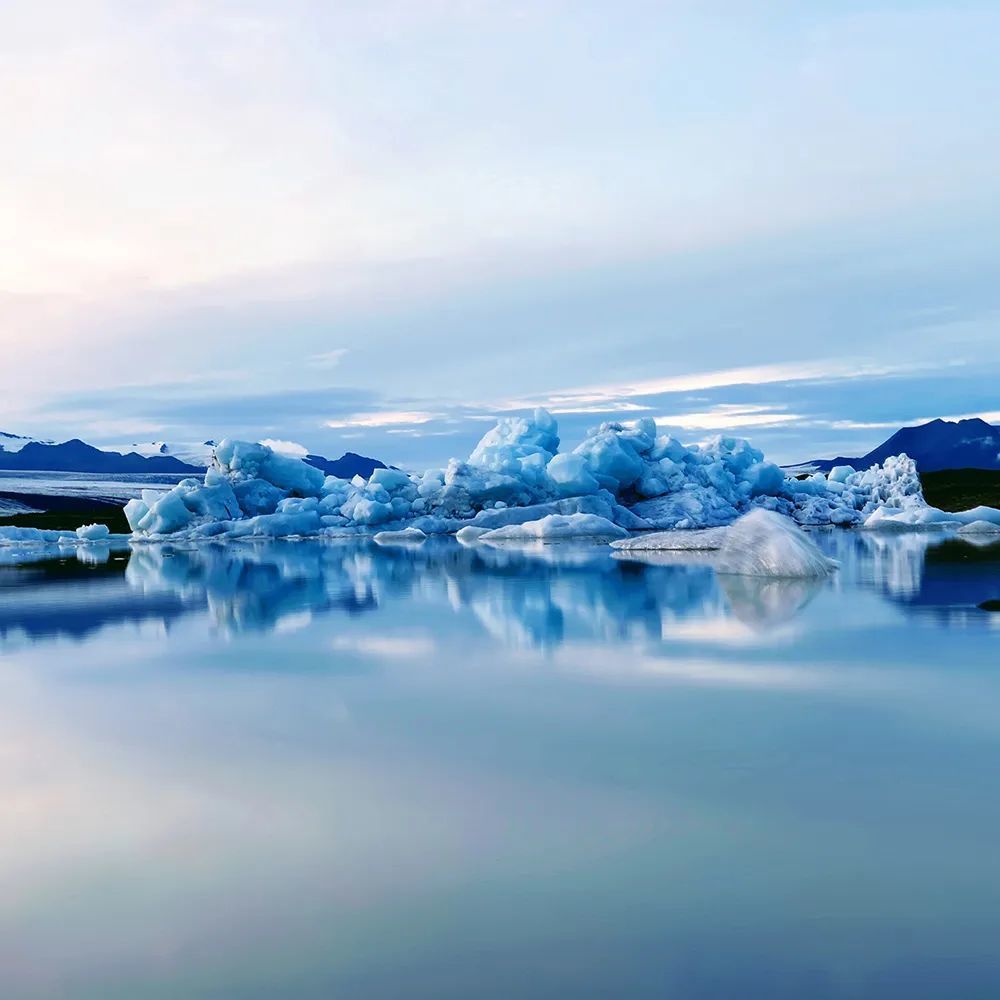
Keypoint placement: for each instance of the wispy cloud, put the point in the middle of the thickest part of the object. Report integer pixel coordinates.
(617, 396)
(328, 359)
(383, 418)
(286, 447)
(727, 416)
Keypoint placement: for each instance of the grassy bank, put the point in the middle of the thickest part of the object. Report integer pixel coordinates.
(70, 520)
(960, 489)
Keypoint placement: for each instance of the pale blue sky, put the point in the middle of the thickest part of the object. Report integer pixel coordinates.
(377, 225)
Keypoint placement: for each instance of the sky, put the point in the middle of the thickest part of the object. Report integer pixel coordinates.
(379, 226)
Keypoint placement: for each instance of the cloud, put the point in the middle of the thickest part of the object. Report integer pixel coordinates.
(328, 359)
(727, 416)
(616, 396)
(385, 418)
(286, 447)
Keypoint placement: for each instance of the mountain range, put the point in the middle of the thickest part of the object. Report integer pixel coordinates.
(28, 454)
(934, 446)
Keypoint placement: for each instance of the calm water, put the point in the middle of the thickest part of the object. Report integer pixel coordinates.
(307, 770)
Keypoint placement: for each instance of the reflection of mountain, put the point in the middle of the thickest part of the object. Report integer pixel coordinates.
(74, 596)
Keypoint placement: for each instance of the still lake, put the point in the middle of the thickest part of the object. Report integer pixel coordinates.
(343, 770)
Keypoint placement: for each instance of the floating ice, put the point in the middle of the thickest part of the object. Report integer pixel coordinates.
(763, 543)
(980, 528)
(93, 532)
(10, 535)
(406, 536)
(910, 518)
(557, 526)
(684, 541)
(989, 514)
(470, 534)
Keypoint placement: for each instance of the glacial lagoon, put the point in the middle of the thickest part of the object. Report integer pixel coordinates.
(308, 769)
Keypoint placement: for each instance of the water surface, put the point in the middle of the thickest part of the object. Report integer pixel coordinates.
(338, 770)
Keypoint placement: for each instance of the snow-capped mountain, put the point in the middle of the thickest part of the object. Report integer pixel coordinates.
(939, 444)
(196, 453)
(78, 456)
(11, 443)
(18, 452)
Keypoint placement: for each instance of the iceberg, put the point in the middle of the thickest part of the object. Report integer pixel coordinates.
(93, 532)
(557, 526)
(980, 528)
(627, 474)
(763, 543)
(978, 514)
(706, 539)
(405, 536)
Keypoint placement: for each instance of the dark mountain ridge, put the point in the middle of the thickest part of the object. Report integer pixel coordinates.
(936, 445)
(78, 456)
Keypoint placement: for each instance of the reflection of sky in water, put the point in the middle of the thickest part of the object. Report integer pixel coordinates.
(344, 770)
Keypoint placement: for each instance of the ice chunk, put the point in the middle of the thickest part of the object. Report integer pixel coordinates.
(470, 534)
(242, 460)
(909, 518)
(840, 474)
(611, 457)
(763, 543)
(257, 496)
(990, 514)
(557, 526)
(765, 479)
(514, 439)
(980, 528)
(707, 538)
(93, 532)
(10, 535)
(405, 536)
(572, 476)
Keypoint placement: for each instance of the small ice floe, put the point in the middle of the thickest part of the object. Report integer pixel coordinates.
(976, 515)
(405, 536)
(471, 534)
(674, 541)
(910, 519)
(763, 543)
(980, 528)
(93, 533)
(556, 527)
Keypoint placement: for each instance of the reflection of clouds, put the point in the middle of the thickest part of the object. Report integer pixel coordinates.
(397, 647)
(593, 661)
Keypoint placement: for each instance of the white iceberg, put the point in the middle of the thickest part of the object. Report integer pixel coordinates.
(93, 532)
(404, 536)
(763, 543)
(974, 514)
(554, 527)
(705, 539)
(980, 528)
